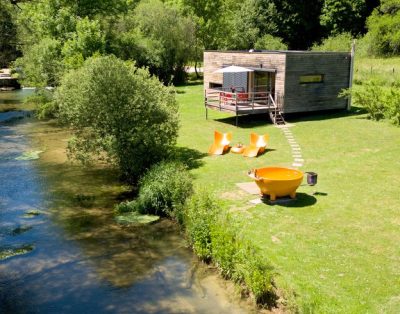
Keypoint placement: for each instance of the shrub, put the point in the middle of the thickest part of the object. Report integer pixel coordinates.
(224, 245)
(341, 42)
(45, 107)
(200, 214)
(392, 105)
(215, 238)
(163, 190)
(119, 114)
(270, 42)
(255, 272)
(368, 96)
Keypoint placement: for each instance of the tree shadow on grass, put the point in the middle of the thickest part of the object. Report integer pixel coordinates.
(192, 158)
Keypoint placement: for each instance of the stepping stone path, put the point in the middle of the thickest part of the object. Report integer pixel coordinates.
(298, 160)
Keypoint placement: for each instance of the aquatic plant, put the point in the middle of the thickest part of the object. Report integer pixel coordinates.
(8, 252)
(136, 218)
(30, 155)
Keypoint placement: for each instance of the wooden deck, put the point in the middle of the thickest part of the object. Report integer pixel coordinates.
(239, 103)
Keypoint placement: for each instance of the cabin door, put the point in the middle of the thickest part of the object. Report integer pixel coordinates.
(264, 82)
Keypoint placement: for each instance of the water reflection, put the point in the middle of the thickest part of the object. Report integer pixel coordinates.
(83, 261)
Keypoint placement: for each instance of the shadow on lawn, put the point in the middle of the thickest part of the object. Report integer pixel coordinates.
(247, 121)
(189, 157)
(324, 115)
(302, 200)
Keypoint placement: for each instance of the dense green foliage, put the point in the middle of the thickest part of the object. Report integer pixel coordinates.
(384, 29)
(118, 114)
(214, 237)
(163, 190)
(164, 36)
(8, 33)
(379, 101)
(339, 42)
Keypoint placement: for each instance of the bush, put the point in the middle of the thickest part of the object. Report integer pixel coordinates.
(368, 96)
(215, 238)
(200, 214)
(119, 114)
(341, 42)
(380, 102)
(45, 107)
(384, 29)
(270, 42)
(392, 105)
(224, 246)
(164, 189)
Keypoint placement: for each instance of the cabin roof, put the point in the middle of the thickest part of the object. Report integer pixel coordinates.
(294, 52)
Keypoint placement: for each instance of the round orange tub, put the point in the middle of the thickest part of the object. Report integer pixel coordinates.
(277, 181)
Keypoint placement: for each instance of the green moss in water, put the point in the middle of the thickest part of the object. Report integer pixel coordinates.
(136, 219)
(30, 155)
(11, 252)
(32, 213)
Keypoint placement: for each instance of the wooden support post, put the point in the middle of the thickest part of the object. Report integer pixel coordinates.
(352, 55)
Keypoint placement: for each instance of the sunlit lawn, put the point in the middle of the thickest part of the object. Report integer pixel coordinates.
(336, 251)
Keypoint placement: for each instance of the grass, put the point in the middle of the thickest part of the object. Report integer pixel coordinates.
(334, 251)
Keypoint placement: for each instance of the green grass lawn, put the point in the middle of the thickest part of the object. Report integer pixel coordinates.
(336, 251)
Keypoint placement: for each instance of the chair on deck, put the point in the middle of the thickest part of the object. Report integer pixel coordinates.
(257, 145)
(221, 143)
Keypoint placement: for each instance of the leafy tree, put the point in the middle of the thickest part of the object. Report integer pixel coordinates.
(340, 42)
(119, 114)
(339, 16)
(8, 34)
(270, 42)
(41, 64)
(210, 23)
(159, 37)
(85, 42)
(384, 29)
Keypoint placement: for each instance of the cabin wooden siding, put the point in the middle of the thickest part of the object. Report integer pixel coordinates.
(303, 97)
(214, 60)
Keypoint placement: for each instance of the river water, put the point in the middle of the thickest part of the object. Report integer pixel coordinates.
(61, 249)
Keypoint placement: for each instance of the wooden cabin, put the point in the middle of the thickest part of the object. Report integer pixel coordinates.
(276, 82)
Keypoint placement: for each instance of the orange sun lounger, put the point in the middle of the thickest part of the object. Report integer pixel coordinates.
(221, 143)
(257, 145)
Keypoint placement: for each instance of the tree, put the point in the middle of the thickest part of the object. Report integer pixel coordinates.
(119, 114)
(209, 18)
(384, 29)
(8, 35)
(41, 64)
(156, 36)
(339, 16)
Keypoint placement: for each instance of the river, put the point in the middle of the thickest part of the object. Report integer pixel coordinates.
(61, 249)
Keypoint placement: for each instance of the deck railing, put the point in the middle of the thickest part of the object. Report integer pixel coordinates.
(222, 97)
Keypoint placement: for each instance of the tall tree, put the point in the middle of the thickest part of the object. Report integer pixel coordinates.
(340, 16)
(8, 35)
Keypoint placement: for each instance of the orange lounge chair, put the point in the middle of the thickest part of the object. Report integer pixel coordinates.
(221, 143)
(257, 146)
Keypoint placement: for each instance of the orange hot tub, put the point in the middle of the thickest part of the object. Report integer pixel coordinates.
(277, 181)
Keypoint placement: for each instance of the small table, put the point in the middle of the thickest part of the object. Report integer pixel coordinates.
(237, 148)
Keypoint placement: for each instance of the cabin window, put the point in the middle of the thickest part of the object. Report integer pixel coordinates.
(311, 78)
(215, 85)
